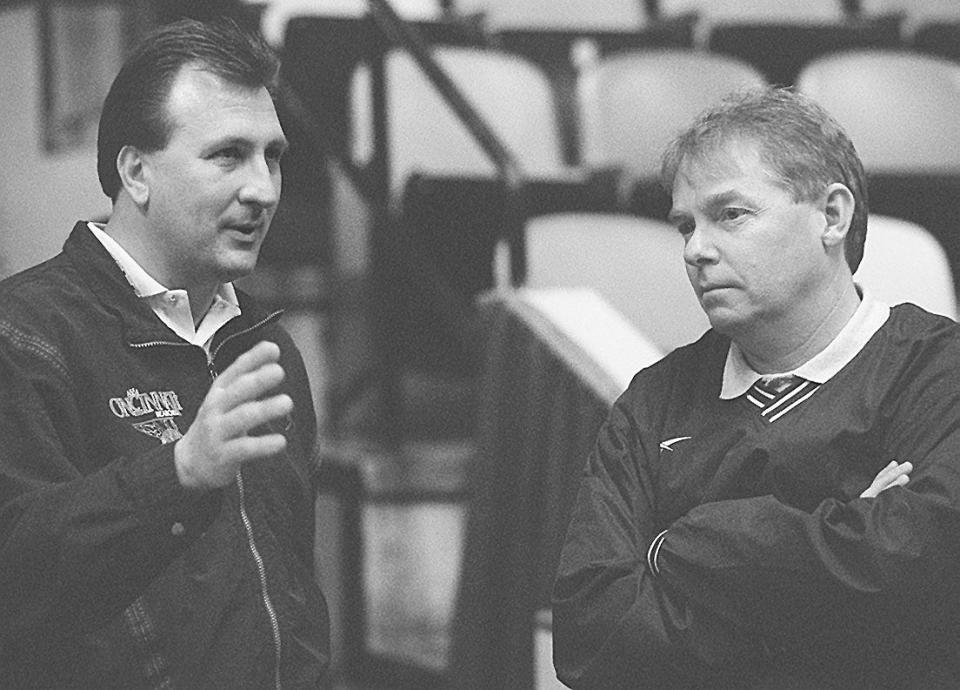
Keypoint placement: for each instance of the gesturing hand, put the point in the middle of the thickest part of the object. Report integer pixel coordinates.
(894, 474)
(218, 441)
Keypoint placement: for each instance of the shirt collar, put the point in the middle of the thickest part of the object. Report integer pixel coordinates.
(739, 376)
(172, 306)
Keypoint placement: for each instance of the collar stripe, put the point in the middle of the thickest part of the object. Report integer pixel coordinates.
(775, 405)
(808, 390)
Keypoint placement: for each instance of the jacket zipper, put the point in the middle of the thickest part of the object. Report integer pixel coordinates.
(248, 525)
(244, 516)
(262, 573)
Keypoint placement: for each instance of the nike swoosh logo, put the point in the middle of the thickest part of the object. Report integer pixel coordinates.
(668, 445)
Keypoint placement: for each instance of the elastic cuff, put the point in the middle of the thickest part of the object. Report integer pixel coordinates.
(653, 551)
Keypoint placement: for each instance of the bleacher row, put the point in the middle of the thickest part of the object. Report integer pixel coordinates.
(585, 103)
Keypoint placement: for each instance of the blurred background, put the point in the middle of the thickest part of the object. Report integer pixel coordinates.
(472, 254)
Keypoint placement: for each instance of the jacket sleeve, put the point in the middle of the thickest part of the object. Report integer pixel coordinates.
(80, 538)
(614, 624)
(872, 567)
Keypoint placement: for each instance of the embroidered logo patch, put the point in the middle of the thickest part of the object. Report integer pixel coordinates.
(163, 406)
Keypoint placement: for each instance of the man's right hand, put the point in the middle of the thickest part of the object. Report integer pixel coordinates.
(219, 441)
(894, 474)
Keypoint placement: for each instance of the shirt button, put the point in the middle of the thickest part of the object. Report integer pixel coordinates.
(178, 530)
(173, 299)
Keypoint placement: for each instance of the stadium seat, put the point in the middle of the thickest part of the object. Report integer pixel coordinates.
(511, 93)
(276, 14)
(904, 262)
(447, 207)
(709, 15)
(756, 11)
(914, 12)
(931, 27)
(633, 103)
(636, 264)
(901, 109)
(779, 37)
(619, 15)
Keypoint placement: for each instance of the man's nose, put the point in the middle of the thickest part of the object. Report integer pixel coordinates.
(262, 183)
(698, 248)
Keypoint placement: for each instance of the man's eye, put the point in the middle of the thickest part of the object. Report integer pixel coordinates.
(231, 153)
(732, 213)
(686, 228)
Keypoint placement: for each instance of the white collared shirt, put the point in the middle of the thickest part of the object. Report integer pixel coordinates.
(173, 306)
(739, 376)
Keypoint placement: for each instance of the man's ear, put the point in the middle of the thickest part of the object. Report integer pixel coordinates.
(130, 165)
(838, 208)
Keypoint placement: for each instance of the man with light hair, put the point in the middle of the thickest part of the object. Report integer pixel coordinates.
(776, 505)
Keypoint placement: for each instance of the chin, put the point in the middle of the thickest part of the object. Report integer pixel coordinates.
(726, 322)
(237, 269)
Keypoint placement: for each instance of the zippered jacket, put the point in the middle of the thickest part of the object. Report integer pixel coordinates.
(112, 575)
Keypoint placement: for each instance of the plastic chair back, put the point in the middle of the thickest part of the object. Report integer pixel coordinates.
(575, 15)
(914, 11)
(901, 109)
(511, 93)
(756, 11)
(904, 262)
(276, 14)
(635, 264)
(634, 103)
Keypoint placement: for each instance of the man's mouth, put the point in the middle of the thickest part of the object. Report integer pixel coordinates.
(246, 228)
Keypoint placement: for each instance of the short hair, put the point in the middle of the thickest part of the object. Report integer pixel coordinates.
(135, 109)
(799, 142)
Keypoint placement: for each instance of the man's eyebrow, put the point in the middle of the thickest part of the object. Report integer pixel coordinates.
(278, 144)
(721, 199)
(710, 205)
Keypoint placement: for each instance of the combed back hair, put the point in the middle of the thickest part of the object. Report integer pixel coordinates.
(801, 146)
(135, 109)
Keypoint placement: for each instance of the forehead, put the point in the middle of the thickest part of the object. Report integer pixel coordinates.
(201, 103)
(735, 165)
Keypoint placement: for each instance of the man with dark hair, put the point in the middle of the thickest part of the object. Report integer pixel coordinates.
(156, 466)
(776, 505)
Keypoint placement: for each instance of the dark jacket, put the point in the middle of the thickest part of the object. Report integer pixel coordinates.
(112, 574)
(773, 573)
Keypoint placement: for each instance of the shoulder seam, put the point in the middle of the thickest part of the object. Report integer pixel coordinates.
(34, 346)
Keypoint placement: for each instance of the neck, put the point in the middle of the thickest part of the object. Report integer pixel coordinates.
(776, 348)
(126, 227)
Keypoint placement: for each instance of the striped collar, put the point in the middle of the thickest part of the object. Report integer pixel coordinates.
(739, 377)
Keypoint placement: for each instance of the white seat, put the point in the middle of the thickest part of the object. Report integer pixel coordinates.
(915, 12)
(903, 262)
(618, 15)
(634, 103)
(756, 11)
(713, 13)
(511, 93)
(901, 109)
(635, 264)
(277, 13)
